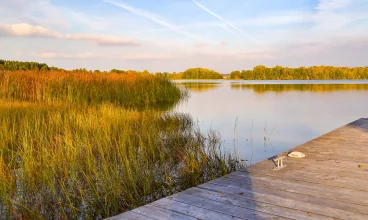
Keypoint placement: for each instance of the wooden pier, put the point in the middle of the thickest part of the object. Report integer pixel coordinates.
(331, 182)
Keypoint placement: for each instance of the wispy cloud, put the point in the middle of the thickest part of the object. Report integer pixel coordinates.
(102, 40)
(333, 4)
(225, 27)
(226, 21)
(201, 44)
(224, 43)
(27, 30)
(148, 57)
(153, 18)
(56, 55)
(35, 11)
(85, 56)
(19, 53)
(242, 56)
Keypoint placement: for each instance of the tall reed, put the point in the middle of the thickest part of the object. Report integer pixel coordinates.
(64, 161)
(74, 145)
(125, 90)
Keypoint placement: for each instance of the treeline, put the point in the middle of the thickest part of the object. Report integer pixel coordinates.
(301, 73)
(196, 73)
(18, 65)
(10, 65)
(258, 72)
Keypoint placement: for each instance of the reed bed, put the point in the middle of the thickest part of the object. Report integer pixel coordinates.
(124, 90)
(64, 157)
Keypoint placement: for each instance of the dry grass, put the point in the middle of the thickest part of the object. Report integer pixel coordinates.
(62, 156)
(124, 90)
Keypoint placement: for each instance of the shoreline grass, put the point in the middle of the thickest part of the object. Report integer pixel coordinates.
(100, 161)
(65, 157)
(124, 90)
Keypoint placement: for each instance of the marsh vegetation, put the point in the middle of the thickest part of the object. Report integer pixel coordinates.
(93, 145)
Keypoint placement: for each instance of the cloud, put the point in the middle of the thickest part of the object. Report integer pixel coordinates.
(259, 56)
(201, 44)
(56, 55)
(102, 40)
(226, 21)
(34, 11)
(224, 43)
(27, 30)
(327, 5)
(286, 18)
(48, 14)
(131, 57)
(204, 44)
(88, 55)
(153, 18)
(19, 54)
(148, 57)
(226, 28)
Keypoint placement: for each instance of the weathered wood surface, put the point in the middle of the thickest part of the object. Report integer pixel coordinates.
(331, 182)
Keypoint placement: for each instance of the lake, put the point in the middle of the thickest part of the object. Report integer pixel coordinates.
(259, 119)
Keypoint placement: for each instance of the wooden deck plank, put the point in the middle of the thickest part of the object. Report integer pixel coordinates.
(325, 179)
(130, 216)
(161, 214)
(358, 208)
(325, 155)
(357, 157)
(331, 182)
(227, 209)
(343, 140)
(190, 210)
(333, 150)
(312, 205)
(325, 166)
(250, 204)
(348, 169)
(294, 187)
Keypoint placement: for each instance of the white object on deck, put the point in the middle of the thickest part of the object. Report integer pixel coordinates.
(296, 154)
(279, 161)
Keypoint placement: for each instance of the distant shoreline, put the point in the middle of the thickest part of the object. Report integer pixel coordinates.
(257, 73)
(333, 81)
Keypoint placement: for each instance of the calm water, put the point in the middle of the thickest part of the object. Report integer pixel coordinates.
(287, 113)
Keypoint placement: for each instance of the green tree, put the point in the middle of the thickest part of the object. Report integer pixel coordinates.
(236, 75)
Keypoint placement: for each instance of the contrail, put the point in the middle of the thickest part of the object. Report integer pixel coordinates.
(152, 18)
(227, 22)
(225, 27)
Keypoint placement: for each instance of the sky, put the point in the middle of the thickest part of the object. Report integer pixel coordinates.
(174, 35)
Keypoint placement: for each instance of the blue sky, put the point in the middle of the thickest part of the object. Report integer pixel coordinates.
(173, 35)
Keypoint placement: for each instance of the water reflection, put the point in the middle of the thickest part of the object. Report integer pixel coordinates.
(198, 86)
(262, 88)
(257, 120)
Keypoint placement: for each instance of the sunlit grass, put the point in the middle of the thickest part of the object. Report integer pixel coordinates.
(69, 150)
(125, 90)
